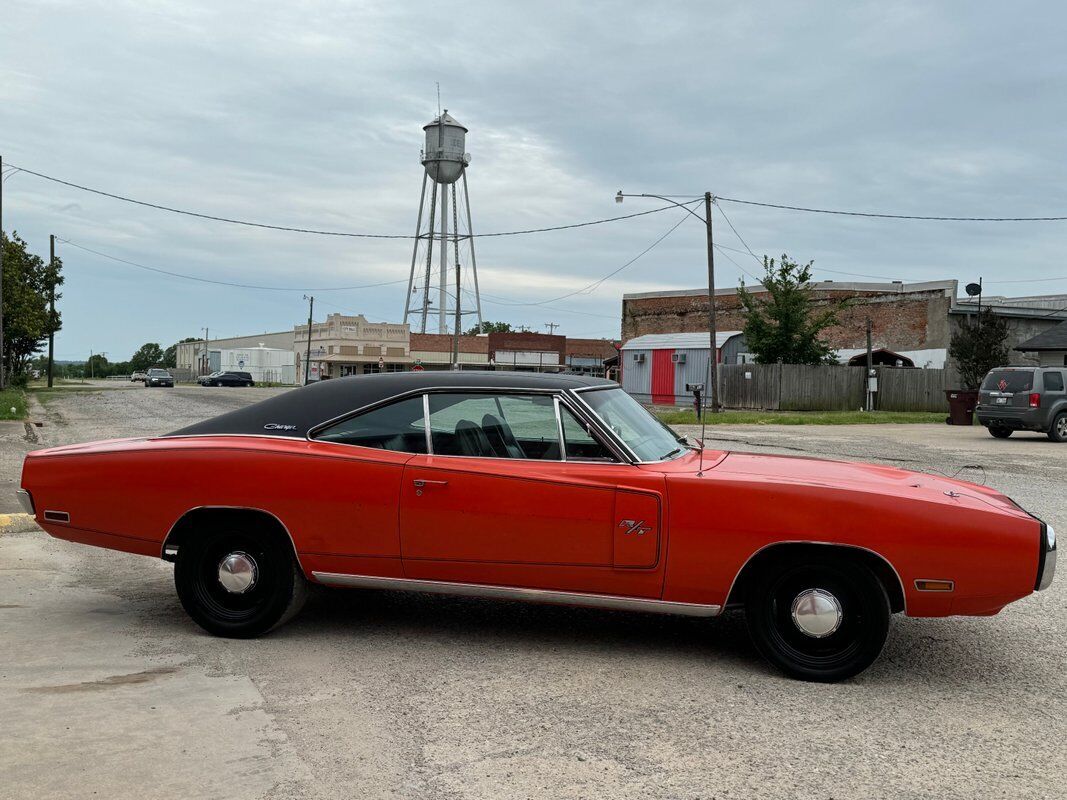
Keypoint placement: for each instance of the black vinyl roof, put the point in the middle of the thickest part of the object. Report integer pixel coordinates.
(296, 412)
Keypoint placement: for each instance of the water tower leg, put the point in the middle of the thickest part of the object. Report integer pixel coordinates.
(429, 259)
(415, 250)
(474, 262)
(442, 292)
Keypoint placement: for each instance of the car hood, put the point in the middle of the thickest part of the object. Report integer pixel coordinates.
(861, 476)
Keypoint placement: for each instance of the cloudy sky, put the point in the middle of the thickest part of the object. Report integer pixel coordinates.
(309, 114)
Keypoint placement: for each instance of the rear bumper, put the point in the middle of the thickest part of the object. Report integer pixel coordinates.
(1031, 419)
(1046, 564)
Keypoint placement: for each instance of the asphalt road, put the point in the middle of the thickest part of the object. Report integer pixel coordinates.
(107, 689)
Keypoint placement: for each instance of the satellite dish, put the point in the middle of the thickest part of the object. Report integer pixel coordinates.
(973, 289)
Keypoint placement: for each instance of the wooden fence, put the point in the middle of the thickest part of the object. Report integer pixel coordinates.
(796, 387)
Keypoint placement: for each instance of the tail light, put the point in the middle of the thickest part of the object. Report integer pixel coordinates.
(1035, 400)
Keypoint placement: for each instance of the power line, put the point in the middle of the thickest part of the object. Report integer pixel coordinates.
(323, 232)
(738, 235)
(876, 215)
(225, 283)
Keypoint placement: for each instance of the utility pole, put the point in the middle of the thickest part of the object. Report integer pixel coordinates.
(205, 359)
(870, 365)
(307, 357)
(51, 303)
(713, 363)
(551, 328)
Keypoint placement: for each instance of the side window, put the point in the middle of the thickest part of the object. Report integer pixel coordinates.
(1053, 381)
(398, 426)
(581, 445)
(494, 425)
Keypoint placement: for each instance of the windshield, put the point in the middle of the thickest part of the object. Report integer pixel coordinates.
(649, 438)
(157, 372)
(1008, 380)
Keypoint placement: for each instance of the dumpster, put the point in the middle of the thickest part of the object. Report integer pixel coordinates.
(961, 403)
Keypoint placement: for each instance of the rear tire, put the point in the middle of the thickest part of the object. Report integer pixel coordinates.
(1057, 432)
(999, 432)
(842, 640)
(276, 591)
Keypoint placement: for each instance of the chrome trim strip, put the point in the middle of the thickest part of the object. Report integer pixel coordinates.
(216, 435)
(559, 429)
(26, 501)
(426, 423)
(889, 563)
(583, 409)
(608, 601)
(596, 431)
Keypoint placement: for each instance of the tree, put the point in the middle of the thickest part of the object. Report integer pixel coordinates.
(489, 327)
(170, 355)
(979, 346)
(28, 281)
(785, 326)
(148, 355)
(97, 366)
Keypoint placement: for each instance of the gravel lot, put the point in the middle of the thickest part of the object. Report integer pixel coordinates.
(107, 689)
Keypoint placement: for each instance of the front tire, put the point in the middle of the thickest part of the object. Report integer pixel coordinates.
(1057, 432)
(818, 618)
(238, 581)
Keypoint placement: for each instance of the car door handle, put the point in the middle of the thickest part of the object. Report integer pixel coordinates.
(420, 483)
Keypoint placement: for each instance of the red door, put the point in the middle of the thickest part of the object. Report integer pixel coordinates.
(662, 377)
(527, 523)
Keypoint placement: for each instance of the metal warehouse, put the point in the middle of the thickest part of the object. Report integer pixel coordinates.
(656, 367)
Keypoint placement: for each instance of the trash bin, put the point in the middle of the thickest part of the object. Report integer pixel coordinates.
(961, 403)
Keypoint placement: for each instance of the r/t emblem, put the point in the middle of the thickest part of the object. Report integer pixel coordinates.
(636, 526)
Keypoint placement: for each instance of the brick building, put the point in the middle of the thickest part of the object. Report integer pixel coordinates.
(906, 318)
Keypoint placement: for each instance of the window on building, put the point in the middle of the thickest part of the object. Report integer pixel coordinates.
(579, 443)
(399, 426)
(494, 425)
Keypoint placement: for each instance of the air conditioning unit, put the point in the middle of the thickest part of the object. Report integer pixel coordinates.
(678, 358)
(639, 358)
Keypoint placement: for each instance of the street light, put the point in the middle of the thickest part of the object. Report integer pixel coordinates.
(713, 356)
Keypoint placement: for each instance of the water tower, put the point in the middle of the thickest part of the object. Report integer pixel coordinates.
(445, 170)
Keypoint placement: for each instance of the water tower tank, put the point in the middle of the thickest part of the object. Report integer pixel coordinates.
(444, 155)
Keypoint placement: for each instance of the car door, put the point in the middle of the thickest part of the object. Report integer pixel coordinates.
(496, 501)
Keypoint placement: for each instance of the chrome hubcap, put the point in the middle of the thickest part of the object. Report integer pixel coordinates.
(1061, 426)
(238, 573)
(816, 613)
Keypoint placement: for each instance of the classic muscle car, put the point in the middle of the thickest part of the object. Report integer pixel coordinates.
(550, 488)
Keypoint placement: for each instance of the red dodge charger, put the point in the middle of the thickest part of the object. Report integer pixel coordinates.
(550, 488)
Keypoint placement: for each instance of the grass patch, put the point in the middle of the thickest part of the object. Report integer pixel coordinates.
(689, 417)
(12, 404)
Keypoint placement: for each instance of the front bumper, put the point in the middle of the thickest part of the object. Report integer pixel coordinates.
(1046, 564)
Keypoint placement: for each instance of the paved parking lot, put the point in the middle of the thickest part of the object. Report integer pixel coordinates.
(107, 689)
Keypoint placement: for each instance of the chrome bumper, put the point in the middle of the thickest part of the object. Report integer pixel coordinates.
(1046, 565)
(26, 501)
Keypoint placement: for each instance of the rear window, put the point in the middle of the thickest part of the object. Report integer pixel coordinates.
(1008, 380)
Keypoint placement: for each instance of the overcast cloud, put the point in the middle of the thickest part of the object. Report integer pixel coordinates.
(310, 114)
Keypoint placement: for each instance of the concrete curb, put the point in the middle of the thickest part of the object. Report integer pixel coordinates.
(16, 523)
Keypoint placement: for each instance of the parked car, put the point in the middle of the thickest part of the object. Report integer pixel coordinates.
(549, 488)
(138, 377)
(1024, 399)
(159, 377)
(203, 379)
(228, 378)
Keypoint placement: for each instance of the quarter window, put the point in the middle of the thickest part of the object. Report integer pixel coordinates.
(579, 443)
(494, 425)
(1053, 382)
(399, 426)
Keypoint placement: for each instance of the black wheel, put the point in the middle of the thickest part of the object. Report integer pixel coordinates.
(238, 581)
(999, 431)
(818, 618)
(1057, 432)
